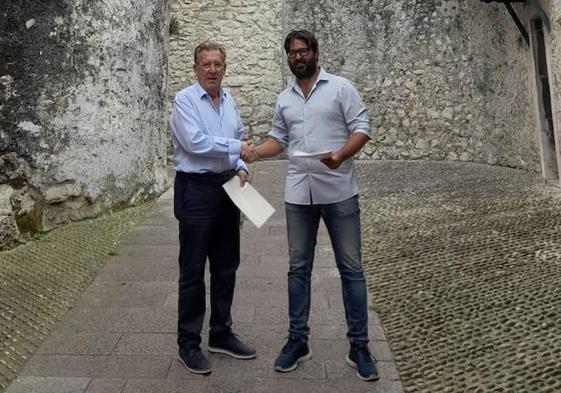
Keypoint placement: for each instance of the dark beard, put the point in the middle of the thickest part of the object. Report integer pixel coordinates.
(305, 73)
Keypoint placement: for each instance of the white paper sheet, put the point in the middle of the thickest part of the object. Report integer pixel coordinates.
(249, 201)
(318, 155)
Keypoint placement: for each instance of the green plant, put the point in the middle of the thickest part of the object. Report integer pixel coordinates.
(38, 234)
(377, 308)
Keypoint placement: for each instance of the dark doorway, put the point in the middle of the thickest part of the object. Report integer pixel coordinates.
(547, 131)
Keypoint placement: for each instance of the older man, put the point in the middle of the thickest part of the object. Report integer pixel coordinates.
(320, 112)
(207, 132)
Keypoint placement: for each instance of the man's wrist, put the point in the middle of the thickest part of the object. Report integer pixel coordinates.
(340, 156)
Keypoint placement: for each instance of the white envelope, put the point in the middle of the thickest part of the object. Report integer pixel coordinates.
(249, 201)
(318, 155)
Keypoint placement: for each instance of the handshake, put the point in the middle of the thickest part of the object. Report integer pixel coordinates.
(249, 152)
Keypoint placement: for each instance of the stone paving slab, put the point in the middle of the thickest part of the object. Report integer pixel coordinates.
(64, 343)
(163, 386)
(49, 385)
(106, 385)
(120, 336)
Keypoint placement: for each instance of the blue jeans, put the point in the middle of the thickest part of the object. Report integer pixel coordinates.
(342, 220)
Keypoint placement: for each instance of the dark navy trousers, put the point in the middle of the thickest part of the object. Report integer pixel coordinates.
(209, 227)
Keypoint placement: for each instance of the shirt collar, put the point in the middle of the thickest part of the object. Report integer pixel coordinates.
(202, 92)
(322, 76)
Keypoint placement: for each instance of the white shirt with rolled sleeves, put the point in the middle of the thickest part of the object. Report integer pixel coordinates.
(206, 139)
(325, 120)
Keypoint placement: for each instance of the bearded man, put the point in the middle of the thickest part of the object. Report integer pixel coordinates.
(320, 112)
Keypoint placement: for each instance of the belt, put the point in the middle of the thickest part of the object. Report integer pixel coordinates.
(225, 176)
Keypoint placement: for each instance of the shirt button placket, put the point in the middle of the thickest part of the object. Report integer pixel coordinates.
(306, 133)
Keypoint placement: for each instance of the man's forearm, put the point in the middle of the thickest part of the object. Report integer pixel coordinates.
(355, 143)
(269, 148)
(353, 146)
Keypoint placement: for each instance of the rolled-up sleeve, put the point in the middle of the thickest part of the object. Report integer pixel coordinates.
(279, 130)
(356, 115)
(188, 133)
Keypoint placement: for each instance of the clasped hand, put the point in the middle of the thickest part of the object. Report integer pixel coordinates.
(249, 153)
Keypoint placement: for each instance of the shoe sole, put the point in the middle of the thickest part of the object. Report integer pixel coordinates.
(308, 356)
(194, 370)
(353, 365)
(231, 354)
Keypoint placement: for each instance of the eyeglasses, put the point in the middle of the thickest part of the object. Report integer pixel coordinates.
(303, 52)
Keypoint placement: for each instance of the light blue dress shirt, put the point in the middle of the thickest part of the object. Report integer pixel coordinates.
(205, 138)
(325, 120)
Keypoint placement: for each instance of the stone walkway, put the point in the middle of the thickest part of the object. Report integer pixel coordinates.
(463, 262)
(120, 336)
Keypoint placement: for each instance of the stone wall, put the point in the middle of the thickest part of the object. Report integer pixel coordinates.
(442, 79)
(553, 43)
(83, 118)
(251, 33)
(83, 126)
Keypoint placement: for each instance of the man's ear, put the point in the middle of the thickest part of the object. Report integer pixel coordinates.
(195, 69)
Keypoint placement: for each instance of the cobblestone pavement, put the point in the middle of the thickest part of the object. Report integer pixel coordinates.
(41, 280)
(463, 264)
(464, 267)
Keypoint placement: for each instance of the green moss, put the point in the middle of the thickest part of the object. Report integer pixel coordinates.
(38, 234)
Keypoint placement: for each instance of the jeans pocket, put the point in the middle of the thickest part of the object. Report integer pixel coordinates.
(345, 208)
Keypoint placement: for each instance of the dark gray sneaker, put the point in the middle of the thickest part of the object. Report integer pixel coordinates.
(194, 360)
(293, 352)
(232, 346)
(365, 364)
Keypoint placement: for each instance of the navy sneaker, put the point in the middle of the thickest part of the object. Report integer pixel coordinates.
(293, 352)
(194, 360)
(365, 364)
(232, 346)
